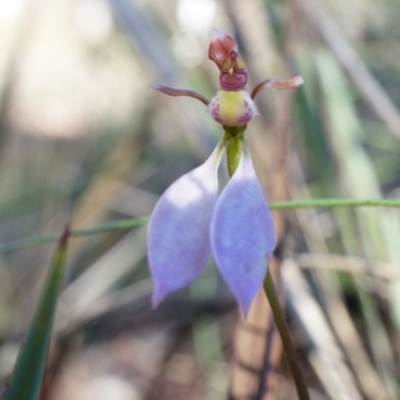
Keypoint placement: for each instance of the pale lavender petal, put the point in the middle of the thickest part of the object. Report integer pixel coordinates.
(178, 236)
(242, 233)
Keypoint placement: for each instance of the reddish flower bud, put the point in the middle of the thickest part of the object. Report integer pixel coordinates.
(220, 48)
(223, 51)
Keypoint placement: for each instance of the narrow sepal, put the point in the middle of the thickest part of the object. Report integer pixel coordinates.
(292, 83)
(178, 236)
(180, 92)
(242, 233)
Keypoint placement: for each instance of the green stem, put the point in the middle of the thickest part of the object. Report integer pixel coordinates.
(135, 222)
(233, 150)
(284, 332)
(233, 138)
(334, 203)
(106, 227)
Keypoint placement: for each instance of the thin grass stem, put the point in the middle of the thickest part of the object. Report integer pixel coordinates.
(103, 228)
(135, 222)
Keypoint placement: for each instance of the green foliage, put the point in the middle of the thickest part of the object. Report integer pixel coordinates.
(27, 377)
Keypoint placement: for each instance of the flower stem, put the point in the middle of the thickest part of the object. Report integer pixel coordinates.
(233, 154)
(284, 332)
(233, 138)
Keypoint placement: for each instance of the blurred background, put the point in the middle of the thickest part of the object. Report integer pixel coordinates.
(84, 137)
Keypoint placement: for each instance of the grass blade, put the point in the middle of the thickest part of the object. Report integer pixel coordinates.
(27, 378)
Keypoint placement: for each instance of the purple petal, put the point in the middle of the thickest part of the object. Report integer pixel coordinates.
(178, 237)
(242, 233)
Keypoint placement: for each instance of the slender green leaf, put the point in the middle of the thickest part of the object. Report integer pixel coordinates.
(26, 381)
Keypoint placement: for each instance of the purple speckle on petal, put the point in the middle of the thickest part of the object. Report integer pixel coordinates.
(244, 119)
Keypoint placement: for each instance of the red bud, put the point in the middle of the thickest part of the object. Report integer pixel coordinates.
(220, 48)
(223, 51)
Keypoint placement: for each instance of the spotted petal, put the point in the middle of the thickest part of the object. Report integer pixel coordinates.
(178, 237)
(242, 233)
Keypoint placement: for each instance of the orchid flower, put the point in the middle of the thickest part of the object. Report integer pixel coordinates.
(191, 221)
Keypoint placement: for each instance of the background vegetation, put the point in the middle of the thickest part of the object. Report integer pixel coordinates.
(84, 138)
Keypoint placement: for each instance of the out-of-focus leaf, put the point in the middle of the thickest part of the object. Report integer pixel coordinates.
(27, 378)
